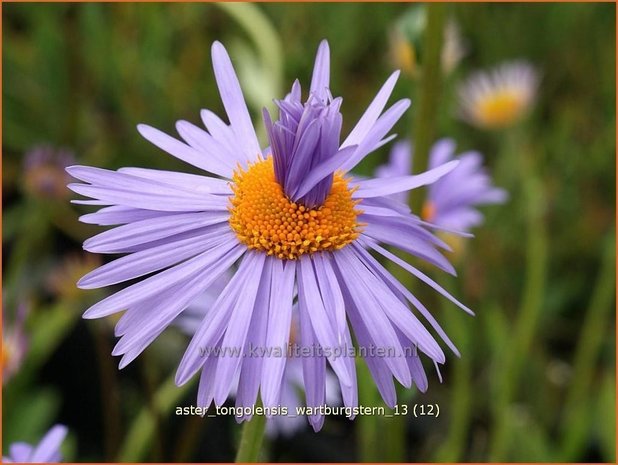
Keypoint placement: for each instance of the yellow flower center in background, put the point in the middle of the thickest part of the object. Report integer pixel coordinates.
(500, 109)
(264, 218)
(403, 54)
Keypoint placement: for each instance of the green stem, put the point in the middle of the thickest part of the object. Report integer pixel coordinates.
(460, 405)
(528, 315)
(147, 370)
(251, 439)
(425, 116)
(367, 425)
(588, 348)
(188, 440)
(394, 431)
(109, 392)
(142, 430)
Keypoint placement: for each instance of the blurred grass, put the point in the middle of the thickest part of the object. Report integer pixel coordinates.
(83, 75)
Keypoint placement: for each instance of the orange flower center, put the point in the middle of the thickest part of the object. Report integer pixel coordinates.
(264, 218)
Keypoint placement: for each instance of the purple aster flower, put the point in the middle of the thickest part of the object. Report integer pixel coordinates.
(293, 217)
(46, 451)
(292, 383)
(451, 200)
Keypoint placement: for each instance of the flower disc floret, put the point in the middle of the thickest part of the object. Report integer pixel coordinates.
(265, 219)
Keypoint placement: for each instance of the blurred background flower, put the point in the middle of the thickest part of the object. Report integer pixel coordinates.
(14, 343)
(500, 97)
(405, 40)
(67, 271)
(44, 172)
(452, 201)
(46, 451)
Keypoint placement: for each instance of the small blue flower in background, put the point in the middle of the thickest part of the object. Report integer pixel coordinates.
(46, 451)
(452, 200)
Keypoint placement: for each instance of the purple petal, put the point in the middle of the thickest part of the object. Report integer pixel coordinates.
(146, 261)
(419, 274)
(110, 216)
(324, 169)
(206, 390)
(414, 362)
(331, 293)
(309, 293)
(302, 153)
(152, 201)
(50, 444)
(224, 135)
(380, 372)
(89, 202)
(314, 368)
(234, 102)
(119, 180)
(141, 232)
(348, 392)
(180, 150)
(251, 367)
(399, 161)
(372, 313)
(441, 152)
(381, 127)
(238, 326)
(321, 72)
(364, 125)
(19, 452)
(165, 279)
(397, 287)
(399, 236)
(278, 332)
(212, 149)
(398, 313)
(192, 182)
(214, 324)
(167, 308)
(379, 187)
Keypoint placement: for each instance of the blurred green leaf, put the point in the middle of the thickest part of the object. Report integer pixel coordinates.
(47, 328)
(30, 414)
(606, 418)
